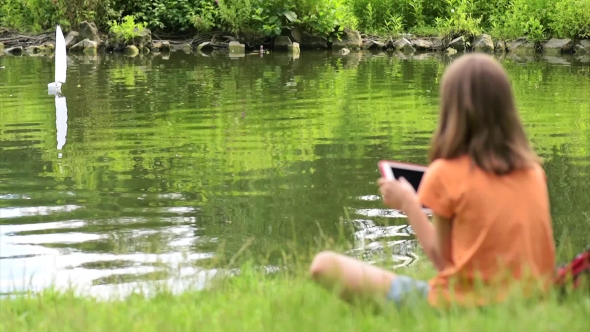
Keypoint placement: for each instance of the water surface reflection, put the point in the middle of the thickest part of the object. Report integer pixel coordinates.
(163, 165)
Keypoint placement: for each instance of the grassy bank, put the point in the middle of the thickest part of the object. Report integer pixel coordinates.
(281, 302)
(285, 300)
(507, 19)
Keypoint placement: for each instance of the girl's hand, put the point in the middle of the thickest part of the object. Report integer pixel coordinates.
(397, 194)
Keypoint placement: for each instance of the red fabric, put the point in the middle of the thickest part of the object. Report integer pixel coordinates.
(574, 269)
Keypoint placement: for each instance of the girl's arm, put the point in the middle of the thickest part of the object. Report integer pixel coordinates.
(442, 228)
(435, 239)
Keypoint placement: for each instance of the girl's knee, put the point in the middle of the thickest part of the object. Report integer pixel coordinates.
(322, 263)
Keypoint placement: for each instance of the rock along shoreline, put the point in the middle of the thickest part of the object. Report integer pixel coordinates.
(89, 41)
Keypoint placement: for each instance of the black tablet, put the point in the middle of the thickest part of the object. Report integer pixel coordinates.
(411, 172)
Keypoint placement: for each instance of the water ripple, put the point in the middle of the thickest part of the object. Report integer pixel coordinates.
(168, 164)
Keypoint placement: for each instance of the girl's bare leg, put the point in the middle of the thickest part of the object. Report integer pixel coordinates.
(353, 277)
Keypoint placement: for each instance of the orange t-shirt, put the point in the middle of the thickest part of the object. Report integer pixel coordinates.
(501, 229)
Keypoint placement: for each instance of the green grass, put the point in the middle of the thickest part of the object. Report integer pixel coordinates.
(287, 300)
(284, 301)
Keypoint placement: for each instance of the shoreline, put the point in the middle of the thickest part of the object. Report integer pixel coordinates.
(88, 40)
(285, 301)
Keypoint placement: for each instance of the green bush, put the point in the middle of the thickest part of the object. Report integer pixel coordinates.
(127, 30)
(168, 15)
(40, 15)
(382, 15)
(323, 16)
(461, 20)
(28, 15)
(535, 19)
(522, 18)
(570, 20)
(273, 16)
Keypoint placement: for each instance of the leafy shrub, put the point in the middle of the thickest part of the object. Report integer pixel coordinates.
(522, 18)
(535, 19)
(272, 16)
(392, 15)
(323, 16)
(205, 17)
(175, 15)
(570, 20)
(274, 23)
(237, 15)
(34, 15)
(460, 20)
(40, 15)
(127, 30)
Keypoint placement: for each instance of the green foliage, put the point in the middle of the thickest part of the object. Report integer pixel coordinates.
(569, 19)
(233, 15)
(176, 15)
(460, 20)
(396, 15)
(274, 23)
(40, 15)
(323, 16)
(394, 24)
(28, 15)
(522, 18)
(205, 17)
(535, 19)
(127, 30)
(508, 19)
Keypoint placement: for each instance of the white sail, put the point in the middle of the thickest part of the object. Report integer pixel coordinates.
(61, 120)
(61, 59)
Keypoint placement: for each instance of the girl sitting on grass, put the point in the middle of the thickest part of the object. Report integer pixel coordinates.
(488, 193)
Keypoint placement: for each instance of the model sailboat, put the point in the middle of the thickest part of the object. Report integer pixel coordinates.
(54, 88)
(61, 63)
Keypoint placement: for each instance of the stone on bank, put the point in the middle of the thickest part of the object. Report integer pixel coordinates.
(311, 42)
(48, 46)
(142, 38)
(350, 39)
(370, 44)
(583, 47)
(282, 43)
(422, 44)
(86, 46)
(294, 49)
(404, 45)
(451, 51)
(556, 46)
(72, 39)
(88, 30)
(161, 46)
(34, 49)
(458, 44)
(483, 43)
(87, 40)
(131, 50)
(237, 48)
(521, 46)
(500, 46)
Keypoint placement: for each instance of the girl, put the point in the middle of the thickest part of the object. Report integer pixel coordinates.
(488, 193)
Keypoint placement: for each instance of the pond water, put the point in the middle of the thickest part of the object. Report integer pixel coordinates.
(160, 161)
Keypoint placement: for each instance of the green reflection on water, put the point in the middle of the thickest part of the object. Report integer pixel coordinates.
(183, 154)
